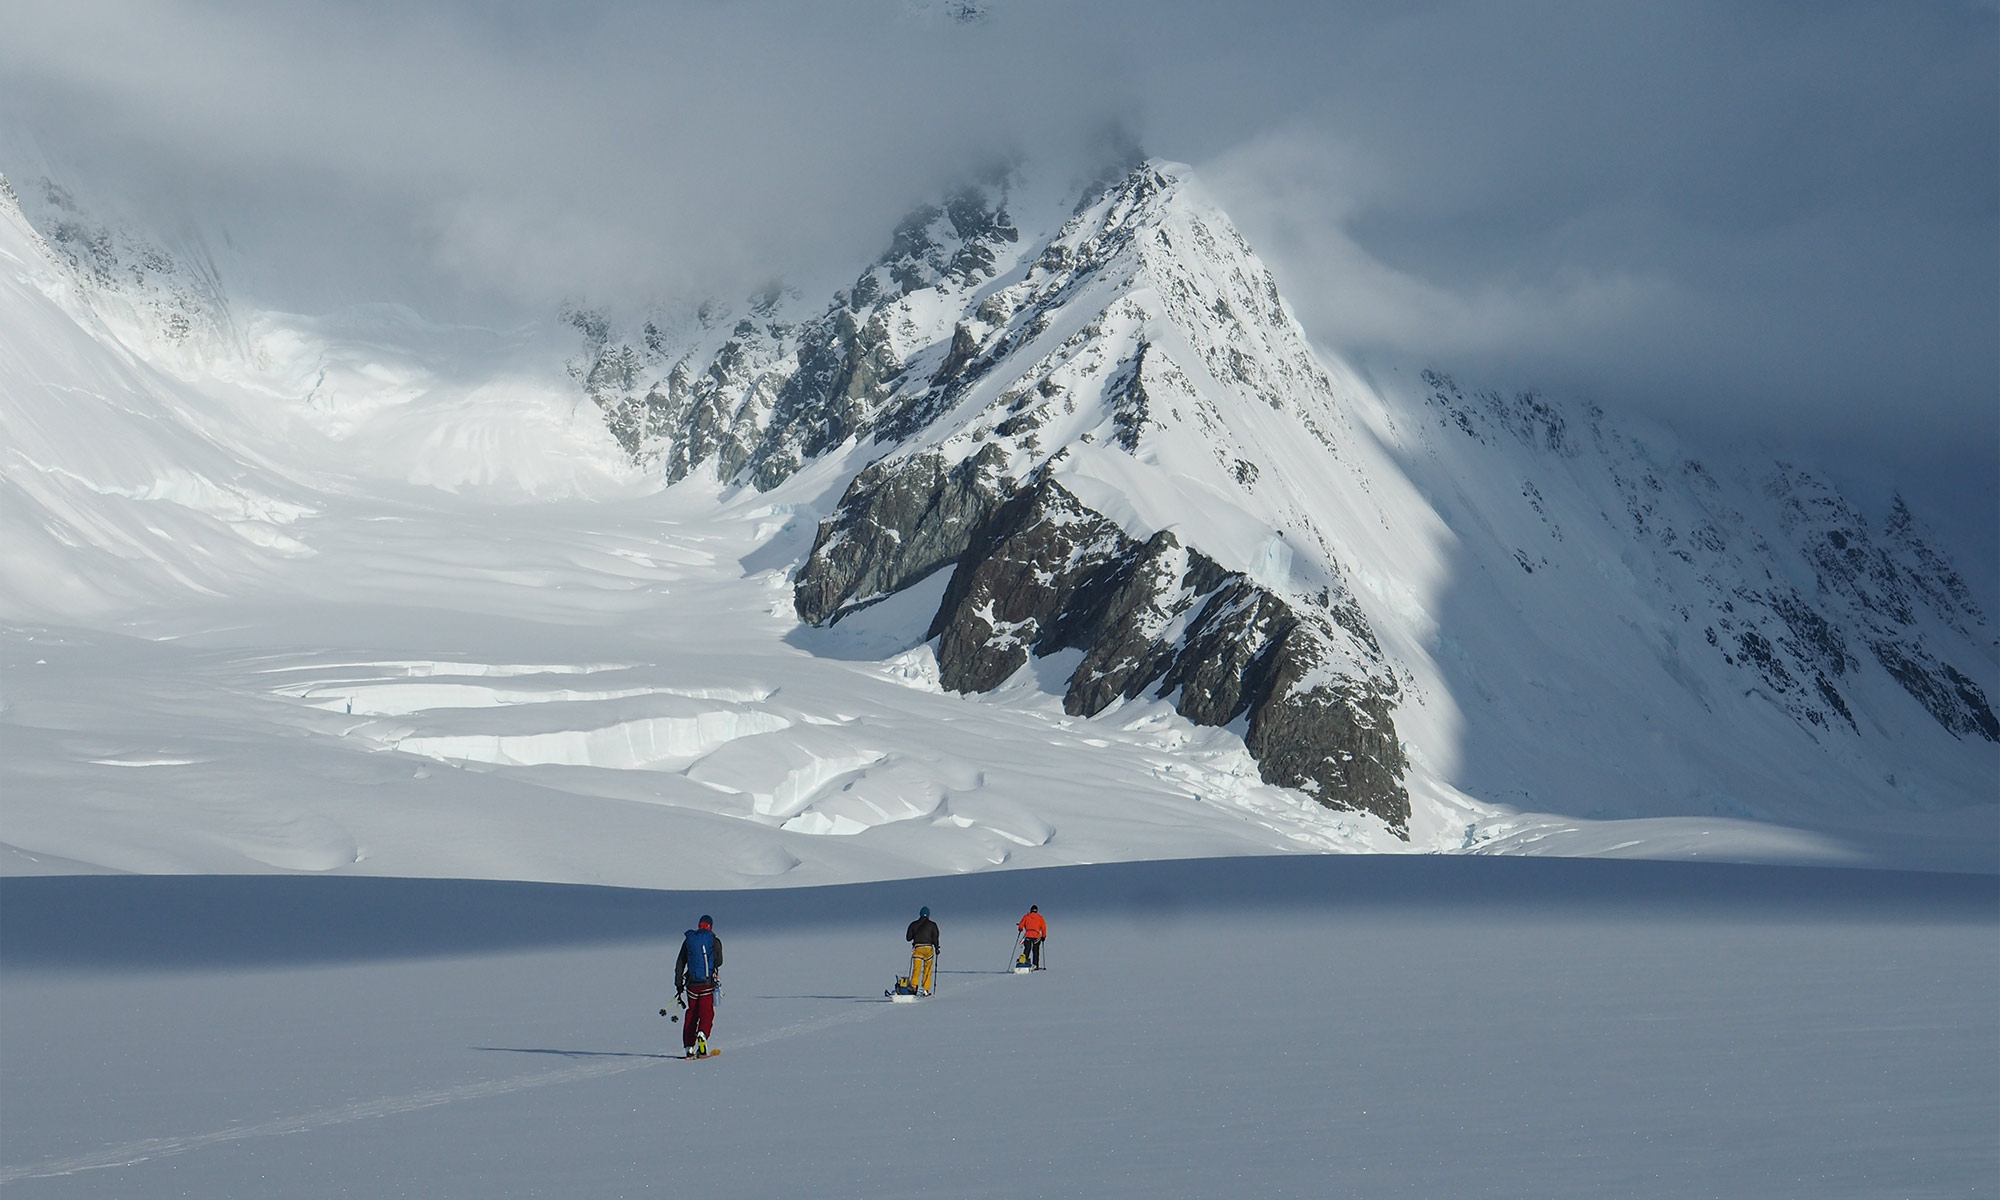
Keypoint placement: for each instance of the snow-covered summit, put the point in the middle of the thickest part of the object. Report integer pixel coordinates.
(1112, 440)
(1048, 539)
(1089, 419)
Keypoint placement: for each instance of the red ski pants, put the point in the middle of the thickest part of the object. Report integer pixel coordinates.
(700, 1017)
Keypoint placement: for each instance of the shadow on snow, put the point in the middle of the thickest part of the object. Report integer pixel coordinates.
(572, 1053)
(114, 923)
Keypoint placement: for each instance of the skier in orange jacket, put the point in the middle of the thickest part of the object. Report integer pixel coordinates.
(1034, 931)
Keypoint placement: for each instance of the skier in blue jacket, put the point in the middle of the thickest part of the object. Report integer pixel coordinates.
(697, 974)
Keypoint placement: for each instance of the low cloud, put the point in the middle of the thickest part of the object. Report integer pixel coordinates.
(1756, 220)
(620, 150)
(1300, 198)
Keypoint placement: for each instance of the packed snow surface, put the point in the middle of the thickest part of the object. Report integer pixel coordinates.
(1297, 1026)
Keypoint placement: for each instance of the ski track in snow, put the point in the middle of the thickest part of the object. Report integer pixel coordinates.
(1767, 1013)
(133, 1153)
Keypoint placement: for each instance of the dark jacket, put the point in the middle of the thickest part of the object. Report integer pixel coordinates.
(923, 932)
(681, 963)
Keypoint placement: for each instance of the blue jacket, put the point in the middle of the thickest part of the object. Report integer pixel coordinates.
(700, 960)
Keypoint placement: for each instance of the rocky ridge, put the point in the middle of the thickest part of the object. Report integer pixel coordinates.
(1111, 452)
(1116, 444)
(172, 301)
(986, 369)
(1791, 598)
(759, 397)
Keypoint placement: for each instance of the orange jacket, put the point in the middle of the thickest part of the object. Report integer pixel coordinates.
(1033, 926)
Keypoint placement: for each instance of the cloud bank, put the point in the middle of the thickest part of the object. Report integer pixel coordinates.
(1759, 220)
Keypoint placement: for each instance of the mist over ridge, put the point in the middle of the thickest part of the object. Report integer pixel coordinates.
(1775, 220)
(987, 341)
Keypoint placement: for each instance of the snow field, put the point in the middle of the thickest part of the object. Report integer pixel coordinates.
(215, 753)
(363, 594)
(582, 692)
(1295, 1026)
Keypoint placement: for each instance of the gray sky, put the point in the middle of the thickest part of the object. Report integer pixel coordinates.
(1767, 221)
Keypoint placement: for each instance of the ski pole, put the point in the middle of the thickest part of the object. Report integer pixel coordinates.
(1015, 959)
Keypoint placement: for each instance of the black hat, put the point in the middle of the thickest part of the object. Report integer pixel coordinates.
(1034, 908)
(706, 922)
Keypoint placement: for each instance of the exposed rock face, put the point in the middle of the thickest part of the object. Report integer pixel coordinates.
(1890, 589)
(1043, 573)
(175, 298)
(1017, 586)
(775, 392)
(978, 388)
(1085, 424)
(1793, 618)
(899, 521)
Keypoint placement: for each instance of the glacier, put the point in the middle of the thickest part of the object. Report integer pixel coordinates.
(378, 697)
(1051, 539)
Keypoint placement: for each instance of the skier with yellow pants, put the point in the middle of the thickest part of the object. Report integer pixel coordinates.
(923, 938)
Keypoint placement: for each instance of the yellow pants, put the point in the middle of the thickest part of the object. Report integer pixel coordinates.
(921, 959)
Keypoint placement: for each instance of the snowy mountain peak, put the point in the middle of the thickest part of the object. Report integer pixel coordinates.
(1058, 484)
(1050, 407)
(1112, 440)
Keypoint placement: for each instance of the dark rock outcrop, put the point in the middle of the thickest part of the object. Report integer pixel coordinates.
(1955, 701)
(1017, 584)
(774, 395)
(1890, 592)
(899, 521)
(1040, 572)
(843, 367)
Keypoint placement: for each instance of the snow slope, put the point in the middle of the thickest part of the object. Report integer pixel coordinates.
(1306, 1026)
(325, 631)
(362, 595)
(553, 672)
(1567, 613)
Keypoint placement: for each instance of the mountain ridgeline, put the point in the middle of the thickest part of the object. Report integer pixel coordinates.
(1086, 448)
(175, 301)
(1118, 444)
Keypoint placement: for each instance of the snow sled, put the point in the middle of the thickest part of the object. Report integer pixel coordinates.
(1021, 967)
(904, 992)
